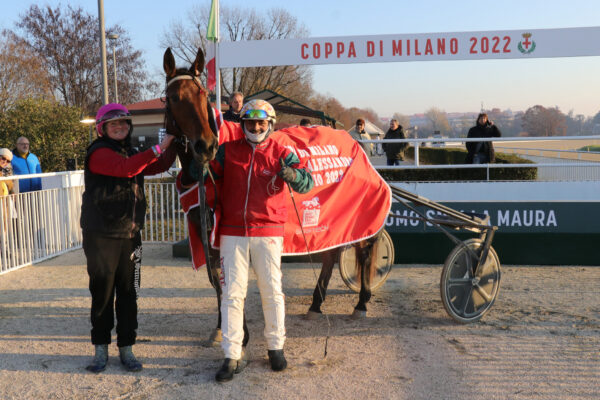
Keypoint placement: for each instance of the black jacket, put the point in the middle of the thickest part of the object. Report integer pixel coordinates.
(395, 151)
(482, 131)
(231, 116)
(112, 206)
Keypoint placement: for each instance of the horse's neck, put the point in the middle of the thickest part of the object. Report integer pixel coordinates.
(186, 159)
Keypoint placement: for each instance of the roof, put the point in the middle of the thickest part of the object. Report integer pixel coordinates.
(295, 108)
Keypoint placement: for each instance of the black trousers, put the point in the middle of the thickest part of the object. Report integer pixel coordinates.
(113, 266)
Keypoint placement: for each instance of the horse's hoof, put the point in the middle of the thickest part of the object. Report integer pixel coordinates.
(216, 338)
(313, 315)
(358, 314)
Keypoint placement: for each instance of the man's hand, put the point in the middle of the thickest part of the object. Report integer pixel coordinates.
(288, 174)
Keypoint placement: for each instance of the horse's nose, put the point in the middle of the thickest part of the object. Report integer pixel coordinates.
(204, 149)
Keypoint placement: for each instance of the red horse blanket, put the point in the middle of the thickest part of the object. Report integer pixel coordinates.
(349, 202)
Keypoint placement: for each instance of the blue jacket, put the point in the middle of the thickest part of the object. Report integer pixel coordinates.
(24, 166)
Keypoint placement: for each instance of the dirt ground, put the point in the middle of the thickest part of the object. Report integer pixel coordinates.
(541, 339)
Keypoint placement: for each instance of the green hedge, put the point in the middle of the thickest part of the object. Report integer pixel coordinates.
(450, 156)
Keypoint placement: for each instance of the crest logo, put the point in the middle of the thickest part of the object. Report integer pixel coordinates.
(526, 46)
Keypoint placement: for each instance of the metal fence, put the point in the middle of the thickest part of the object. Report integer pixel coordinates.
(38, 225)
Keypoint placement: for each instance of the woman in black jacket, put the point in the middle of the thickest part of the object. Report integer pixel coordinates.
(482, 152)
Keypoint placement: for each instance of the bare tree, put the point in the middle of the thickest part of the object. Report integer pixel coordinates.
(67, 42)
(438, 120)
(22, 73)
(541, 121)
(239, 24)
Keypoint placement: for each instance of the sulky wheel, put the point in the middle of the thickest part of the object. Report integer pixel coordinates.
(468, 297)
(349, 269)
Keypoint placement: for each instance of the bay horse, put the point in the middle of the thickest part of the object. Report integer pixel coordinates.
(189, 117)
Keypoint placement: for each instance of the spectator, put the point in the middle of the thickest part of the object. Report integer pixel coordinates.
(25, 163)
(482, 152)
(305, 122)
(7, 186)
(253, 172)
(394, 152)
(112, 214)
(358, 133)
(236, 100)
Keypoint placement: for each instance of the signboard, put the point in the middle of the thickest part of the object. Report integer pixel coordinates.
(510, 217)
(526, 43)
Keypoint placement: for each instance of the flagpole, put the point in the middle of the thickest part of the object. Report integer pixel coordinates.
(217, 71)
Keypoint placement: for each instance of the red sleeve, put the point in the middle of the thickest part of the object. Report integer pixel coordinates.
(105, 161)
(166, 159)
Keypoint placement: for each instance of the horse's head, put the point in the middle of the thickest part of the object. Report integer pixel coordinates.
(188, 113)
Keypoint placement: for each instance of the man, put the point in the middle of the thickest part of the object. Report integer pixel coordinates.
(235, 105)
(482, 152)
(25, 163)
(358, 133)
(394, 152)
(252, 173)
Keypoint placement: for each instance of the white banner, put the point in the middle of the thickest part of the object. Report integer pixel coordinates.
(534, 43)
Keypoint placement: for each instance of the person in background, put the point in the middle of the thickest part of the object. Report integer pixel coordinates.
(394, 152)
(7, 186)
(252, 173)
(23, 163)
(236, 100)
(112, 215)
(305, 122)
(482, 152)
(358, 133)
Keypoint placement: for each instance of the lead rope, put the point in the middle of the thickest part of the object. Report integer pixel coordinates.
(313, 269)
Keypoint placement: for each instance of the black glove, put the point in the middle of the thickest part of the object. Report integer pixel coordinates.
(288, 174)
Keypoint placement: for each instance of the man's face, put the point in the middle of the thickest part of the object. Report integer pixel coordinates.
(23, 146)
(360, 127)
(256, 126)
(482, 120)
(237, 102)
(394, 124)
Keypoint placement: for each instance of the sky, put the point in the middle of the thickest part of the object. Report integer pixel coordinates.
(403, 87)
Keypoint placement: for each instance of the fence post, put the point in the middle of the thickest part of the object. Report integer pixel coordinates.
(416, 147)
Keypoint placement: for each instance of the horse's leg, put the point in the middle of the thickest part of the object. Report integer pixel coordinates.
(367, 259)
(328, 259)
(213, 276)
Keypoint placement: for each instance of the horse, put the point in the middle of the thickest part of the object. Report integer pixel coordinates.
(189, 117)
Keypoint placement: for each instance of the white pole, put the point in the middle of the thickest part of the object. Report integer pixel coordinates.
(217, 71)
(103, 52)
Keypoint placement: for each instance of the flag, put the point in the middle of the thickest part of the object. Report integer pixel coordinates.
(212, 34)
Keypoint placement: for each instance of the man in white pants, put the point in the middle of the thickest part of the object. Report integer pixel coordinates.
(252, 173)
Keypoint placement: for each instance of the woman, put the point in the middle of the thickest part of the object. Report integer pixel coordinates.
(7, 208)
(112, 215)
(482, 152)
(6, 186)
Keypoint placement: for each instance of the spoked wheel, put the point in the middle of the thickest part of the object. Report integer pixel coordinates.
(350, 271)
(466, 296)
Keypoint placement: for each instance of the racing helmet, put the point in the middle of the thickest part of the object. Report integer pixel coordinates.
(112, 112)
(258, 110)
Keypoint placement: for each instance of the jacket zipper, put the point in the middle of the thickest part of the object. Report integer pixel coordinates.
(248, 188)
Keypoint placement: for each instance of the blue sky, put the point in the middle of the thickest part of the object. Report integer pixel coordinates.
(453, 86)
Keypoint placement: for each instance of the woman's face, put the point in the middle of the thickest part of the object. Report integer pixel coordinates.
(482, 120)
(117, 130)
(3, 162)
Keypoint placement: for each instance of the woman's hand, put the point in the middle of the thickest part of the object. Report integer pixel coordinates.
(166, 142)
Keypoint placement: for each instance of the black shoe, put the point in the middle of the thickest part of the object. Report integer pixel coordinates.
(277, 360)
(100, 359)
(230, 367)
(128, 359)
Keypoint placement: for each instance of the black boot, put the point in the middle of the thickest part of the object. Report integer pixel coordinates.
(128, 359)
(229, 368)
(100, 359)
(277, 360)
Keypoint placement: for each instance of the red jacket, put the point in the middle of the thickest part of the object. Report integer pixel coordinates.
(252, 196)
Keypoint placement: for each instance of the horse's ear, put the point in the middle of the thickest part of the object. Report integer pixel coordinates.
(198, 65)
(169, 63)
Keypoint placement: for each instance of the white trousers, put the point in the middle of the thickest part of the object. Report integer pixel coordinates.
(264, 254)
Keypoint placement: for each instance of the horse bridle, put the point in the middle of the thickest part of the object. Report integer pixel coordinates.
(182, 138)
